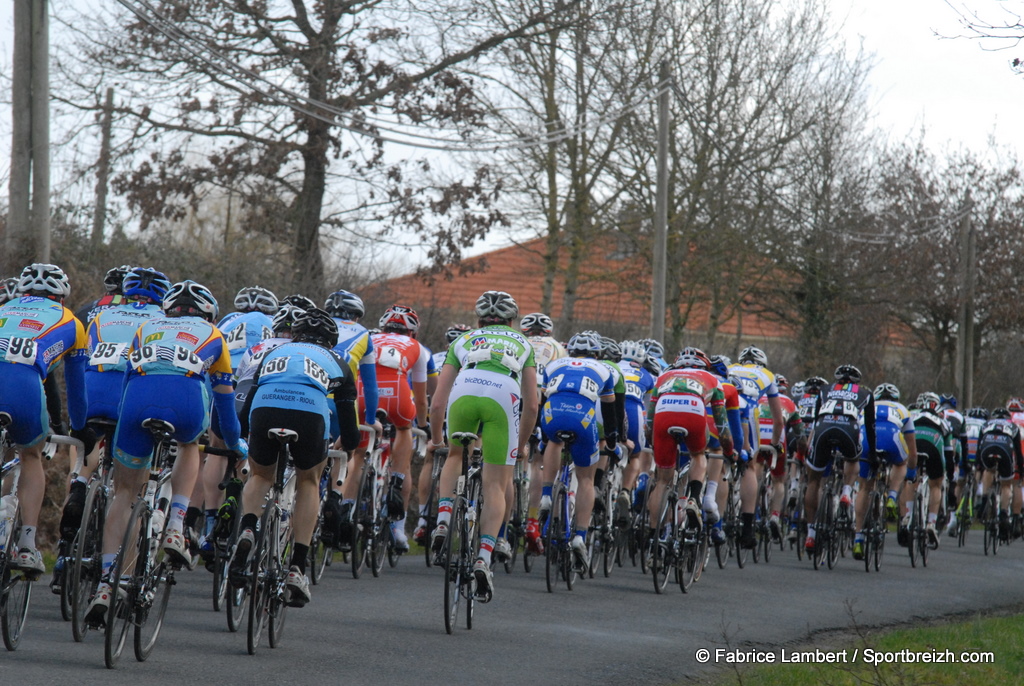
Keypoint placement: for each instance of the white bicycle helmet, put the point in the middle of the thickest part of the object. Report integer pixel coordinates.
(345, 305)
(190, 298)
(755, 355)
(44, 279)
(584, 343)
(256, 299)
(632, 351)
(400, 318)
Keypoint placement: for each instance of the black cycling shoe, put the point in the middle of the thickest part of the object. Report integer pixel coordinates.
(71, 518)
(238, 573)
(396, 504)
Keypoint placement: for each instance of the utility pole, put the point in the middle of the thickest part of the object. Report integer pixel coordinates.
(99, 216)
(964, 372)
(29, 188)
(661, 209)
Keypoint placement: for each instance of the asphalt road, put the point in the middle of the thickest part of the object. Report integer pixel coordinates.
(390, 630)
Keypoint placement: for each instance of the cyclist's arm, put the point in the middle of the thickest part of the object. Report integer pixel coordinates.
(74, 379)
(439, 403)
(419, 391)
(368, 374)
(869, 424)
(344, 389)
(778, 419)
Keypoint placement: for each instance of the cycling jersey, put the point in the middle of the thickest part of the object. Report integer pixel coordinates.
(766, 428)
(247, 366)
(639, 384)
(401, 360)
(355, 346)
(290, 390)
(36, 335)
(681, 398)
(486, 391)
(733, 415)
(110, 335)
(243, 330)
(999, 447)
(841, 410)
(173, 363)
(575, 387)
(546, 349)
(88, 312)
(754, 381)
(934, 442)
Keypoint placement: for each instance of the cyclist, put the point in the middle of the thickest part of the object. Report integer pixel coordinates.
(355, 345)
(173, 364)
(538, 328)
(482, 387)
(716, 454)
(656, 351)
(113, 282)
(577, 388)
(290, 390)
(401, 363)
(683, 395)
(974, 420)
(639, 387)
(805, 404)
(1000, 455)
(947, 403)
(110, 333)
(935, 445)
(1016, 408)
(895, 442)
(777, 464)
(841, 411)
(754, 382)
(37, 333)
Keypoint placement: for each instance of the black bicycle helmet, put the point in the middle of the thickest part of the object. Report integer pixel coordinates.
(113, 280)
(847, 373)
(315, 326)
(188, 298)
(344, 305)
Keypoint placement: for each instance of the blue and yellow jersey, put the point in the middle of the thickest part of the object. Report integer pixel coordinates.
(182, 346)
(754, 381)
(354, 344)
(40, 332)
(639, 383)
(583, 376)
(243, 330)
(111, 333)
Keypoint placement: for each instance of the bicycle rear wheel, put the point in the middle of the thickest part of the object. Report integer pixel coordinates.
(277, 573)
(452, 564)
(553, 549)
(122, 610)
(14, 600)
(86, 561)
(661, 561)
(922, 539)
(260, 586)
(64, 552)
(362, 524)
(235, 602)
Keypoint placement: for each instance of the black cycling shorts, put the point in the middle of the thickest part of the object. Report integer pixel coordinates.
(307, 452)
(996, 455)
(831, 433)
(931, 460)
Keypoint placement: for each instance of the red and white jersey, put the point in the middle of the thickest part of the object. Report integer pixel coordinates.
(400, 355)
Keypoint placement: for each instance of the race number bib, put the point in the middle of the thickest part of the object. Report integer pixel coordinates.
(21, 351)
(316, 372)
(107, 354)
(275, 366)
(389, 356)
(236, 338)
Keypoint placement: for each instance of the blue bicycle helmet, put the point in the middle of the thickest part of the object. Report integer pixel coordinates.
(146, 282)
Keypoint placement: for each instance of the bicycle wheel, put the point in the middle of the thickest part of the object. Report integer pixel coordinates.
(823, 529)
(913, 530)
(835, 538)
(362, 523)
(235, 603)
(566, 532)
(453, 565)
(379, 542)
(741, 552)
(261, 585)
(86, 561)
(122, 611)
(64, 552)
(689, 562)
(471, 545)
(965, 514)
(661, 561)
(319, 555)
(766, 540)
(277, 573)
(878, 545)
(16, 594)
(153, 569)
(922, 539)
(553, 549)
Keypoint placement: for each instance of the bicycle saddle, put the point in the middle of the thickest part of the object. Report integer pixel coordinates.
(283, 435)
(158, 427)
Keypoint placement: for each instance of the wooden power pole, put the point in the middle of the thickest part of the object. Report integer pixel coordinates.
(659, 258)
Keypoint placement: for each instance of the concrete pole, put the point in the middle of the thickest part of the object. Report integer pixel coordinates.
(972, 259)
(660, 210)
(965, 328)
(40, 215)
(21, 134)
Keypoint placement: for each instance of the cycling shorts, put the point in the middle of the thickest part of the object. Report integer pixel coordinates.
(930, 458)
(636, 424)
(22, 396)
(573, 412)
(396, 398)
(307, 452)
(997, 455)
(686, 411)
(103, 393)
(493, 400)
(832, 433)
(180, 400)
(892, 442)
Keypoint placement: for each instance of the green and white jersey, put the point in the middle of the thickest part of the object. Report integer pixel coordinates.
(495, 348)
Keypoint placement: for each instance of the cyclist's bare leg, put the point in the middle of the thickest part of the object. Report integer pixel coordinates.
(261, 478)
(935, 495)
(584, 496)
(451, 472)
(31, 484)
(811, 496)
(748, 487)
(212, 474)
(860, 506)
(128, 483)
(355, 467)
(307, 503)
(496, 480)
(662, 481)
